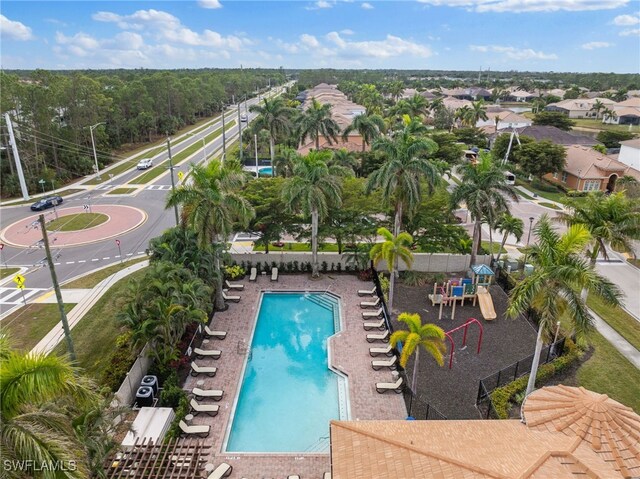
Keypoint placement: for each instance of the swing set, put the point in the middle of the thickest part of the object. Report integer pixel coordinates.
(464, 326)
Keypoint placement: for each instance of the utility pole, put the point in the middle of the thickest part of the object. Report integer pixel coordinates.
(93, 143)
(173, 184)
(224, 138)
(240, 132)
(255, 141)
(16, 156)
(56, 288)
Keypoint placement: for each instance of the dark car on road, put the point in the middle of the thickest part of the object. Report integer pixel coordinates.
(45, 203)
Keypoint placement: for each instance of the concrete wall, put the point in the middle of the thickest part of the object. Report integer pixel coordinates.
(126, 394)
(425, 262)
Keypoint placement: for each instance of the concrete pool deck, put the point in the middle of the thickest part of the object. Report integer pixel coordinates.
(350, 355)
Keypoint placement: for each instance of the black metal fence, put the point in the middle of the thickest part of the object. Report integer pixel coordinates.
(380, 294)
(513, 372)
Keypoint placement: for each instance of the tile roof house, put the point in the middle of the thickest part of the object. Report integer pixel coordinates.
(521, 96)
(579, 108)
(504, 119)
(589, 170)
(626, 113)
(554, 135)
(453, 104)
(630, 153)
(565, 433)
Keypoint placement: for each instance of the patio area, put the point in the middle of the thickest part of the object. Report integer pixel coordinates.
(350, 355)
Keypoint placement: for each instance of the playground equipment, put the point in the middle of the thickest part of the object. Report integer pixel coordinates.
(451, 292)
(486, 304)
(464, 326)
(482, 277)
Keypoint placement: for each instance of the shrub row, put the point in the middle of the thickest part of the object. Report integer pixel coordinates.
(501, 397)
(294, 267)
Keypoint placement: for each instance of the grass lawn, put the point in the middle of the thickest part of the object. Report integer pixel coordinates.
(94, 336)
(77, 222)
(553, 196)
(549, 205)
(116, 170)
(609, 372)
(496, 247)
(327, 248)
(68, 192)
(29, 324)
(524, 195)
(121, 191)
(4, 272)
(597, 125)
(634, 261)
(625, 324)
(90, 280)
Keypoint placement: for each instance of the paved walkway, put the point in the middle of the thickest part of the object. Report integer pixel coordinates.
(53, 337)
(617, 341)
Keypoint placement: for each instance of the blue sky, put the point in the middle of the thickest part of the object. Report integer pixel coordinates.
(540, 35)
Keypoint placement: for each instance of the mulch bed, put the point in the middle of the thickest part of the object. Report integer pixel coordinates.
(453, 391)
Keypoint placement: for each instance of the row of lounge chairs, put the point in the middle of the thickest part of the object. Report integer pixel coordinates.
(253, 276)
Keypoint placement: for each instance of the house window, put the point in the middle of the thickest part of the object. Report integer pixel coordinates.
(591, 185)
(564, 176)
(555, 175)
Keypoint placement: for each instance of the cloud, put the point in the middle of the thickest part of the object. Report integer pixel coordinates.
(626, 20)
(125, 49)
(347, 31)
(632, 32)
(13, 30)
(594, 45)
(519, 6)
(210, 4)
(320, 4)
(389, 47)
(366, 6)
(309, 40)
(513, 53)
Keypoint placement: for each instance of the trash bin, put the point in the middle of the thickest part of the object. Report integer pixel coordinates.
(144, 396)
(152, 382)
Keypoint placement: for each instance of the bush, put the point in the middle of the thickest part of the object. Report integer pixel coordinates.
(415, 278)
(234, 272)
(576, 194)
(181, 411)
(384, 284)
(118, 366)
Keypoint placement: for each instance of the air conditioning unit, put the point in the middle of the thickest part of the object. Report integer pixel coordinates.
(152, 382)
(144, 396)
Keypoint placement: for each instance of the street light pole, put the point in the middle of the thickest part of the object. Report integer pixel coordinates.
(173, 184)
(240, 132)
(93, 143)
(531, 218)
(224, 138)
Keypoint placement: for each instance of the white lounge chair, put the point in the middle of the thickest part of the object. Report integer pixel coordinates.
(384, 337)
(197, 408)
(209, 371)
(274, 274)
(223, 470)
(369, 325)
(202, 431)
(215, 394)
(214, 334)
(372, 314)
(384, 363)
(230, 298)
(209, 353)
(326, 475)
(370, 304)
(384, 387)
(388, 351)
(233, 285)
(366, 292)
(254, 274)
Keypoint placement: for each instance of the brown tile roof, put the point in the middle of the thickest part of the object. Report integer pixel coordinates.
(587, 163)
(626, 111)
(556, 135)
(496, 449)
(632, 102)
(635, 143)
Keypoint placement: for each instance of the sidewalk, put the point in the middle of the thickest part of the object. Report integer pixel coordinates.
(53, 337)
(535, 198)
(622, 345)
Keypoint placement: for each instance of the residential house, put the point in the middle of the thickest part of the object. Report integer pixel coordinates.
(564, 432)
(471, 94)
(626, 113)
(552, 134)
(521, 96)
(501, 120)
(630, 153)
(453, 104)
(559, 92)
(580, 107)
(589, 170)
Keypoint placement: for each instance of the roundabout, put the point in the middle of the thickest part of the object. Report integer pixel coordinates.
(74, 226)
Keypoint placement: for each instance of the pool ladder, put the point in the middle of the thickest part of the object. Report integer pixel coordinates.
(243, 349)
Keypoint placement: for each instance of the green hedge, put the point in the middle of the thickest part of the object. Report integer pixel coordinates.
(501, 397)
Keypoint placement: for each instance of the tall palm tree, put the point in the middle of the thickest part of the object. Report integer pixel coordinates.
(284, 162)
(597, 107)
(313, 189)
(405, 165)
(552, 290)
(344, 158)
(39, 397)
(391, 250)
(429, 337)
(370, 127)
(274, 117)
(483, 187)
(509, 225)
(316, 122)
(478, 112)
(212, 205)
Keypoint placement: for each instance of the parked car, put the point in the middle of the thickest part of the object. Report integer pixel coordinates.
(243, 118)
(144, 164)
(48, 202)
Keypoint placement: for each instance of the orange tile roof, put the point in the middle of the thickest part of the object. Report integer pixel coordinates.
(497, 449)
(587, 163)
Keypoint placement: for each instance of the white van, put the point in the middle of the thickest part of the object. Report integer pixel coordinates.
(510, 178)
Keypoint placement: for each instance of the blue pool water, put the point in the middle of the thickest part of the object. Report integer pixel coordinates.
(266, 171)
(288, 394)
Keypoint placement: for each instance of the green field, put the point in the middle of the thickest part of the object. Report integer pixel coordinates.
(625, 324)
(297, 247)
(553, 206)
(553, 196)
(496, 247)
(77, 222)
(116, 170)
(4, 272)
(597, 125)
(29, 324)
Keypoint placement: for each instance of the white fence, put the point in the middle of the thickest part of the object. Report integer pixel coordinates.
(126, 394)
(425, 262)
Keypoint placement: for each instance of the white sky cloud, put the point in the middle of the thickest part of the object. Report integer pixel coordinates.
(13, 30)
(347, 31)
(594, 45)
(320, 4)
(514, 53)
(626, 20)
(518, 6)
(632, 32)
(210, 3)
(366, 6)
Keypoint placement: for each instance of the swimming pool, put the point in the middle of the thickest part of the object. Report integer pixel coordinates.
(288, 394)
(265, 171)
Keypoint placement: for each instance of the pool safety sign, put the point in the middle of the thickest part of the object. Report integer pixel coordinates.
(19, 280)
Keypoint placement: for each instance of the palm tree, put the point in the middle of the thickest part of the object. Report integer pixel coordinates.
(274, 117)
(39, 397)
(313, 189)
(405, 166)
(552, 290)
(369, 126)
(612, 219)
(598, 106)
(316, 122)
(478, 112)
(429, 336)
(483, 187)
(394, 248)
(343, 158)
(284, 162)
(509, 225)
(418, 106)
(609, 113)
(212, 205)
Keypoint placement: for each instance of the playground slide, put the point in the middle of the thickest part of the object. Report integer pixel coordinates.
(486, 304)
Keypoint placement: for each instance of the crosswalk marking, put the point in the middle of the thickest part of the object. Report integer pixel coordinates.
(13, 296)
(105, 187)
(158, 187)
